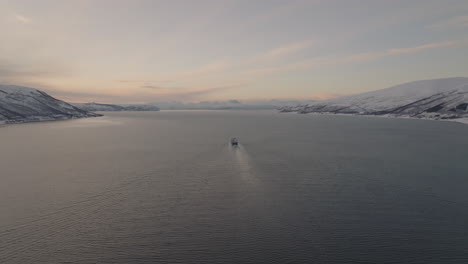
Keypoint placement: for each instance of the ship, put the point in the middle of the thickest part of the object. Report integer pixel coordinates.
(234, 142)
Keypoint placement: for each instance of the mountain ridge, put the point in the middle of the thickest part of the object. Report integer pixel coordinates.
(20, 104)
(445, 98)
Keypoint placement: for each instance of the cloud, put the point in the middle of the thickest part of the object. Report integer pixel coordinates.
(22, 73)
(281, 9)
(130, 81)
(363, 57)
(212, 67)
(84, 97)
(231, 64)
(289, 49)
(19, 72)
(218, 68)
(181, 94)
(277, 53)
(458, 22)
(190, 94)
(354, 58)
(447, 44)
(145, 83)
(22, 19)
(151, 87)
(204, 70)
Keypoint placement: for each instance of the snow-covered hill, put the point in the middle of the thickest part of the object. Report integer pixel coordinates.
(22, 104)
(113, 107)
(435, 99)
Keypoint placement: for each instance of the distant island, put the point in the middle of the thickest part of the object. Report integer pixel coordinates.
(202, 105)
(229, 104)
(438, 99)
(115, 107)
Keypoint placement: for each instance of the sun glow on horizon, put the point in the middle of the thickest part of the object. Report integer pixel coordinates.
(146, 51)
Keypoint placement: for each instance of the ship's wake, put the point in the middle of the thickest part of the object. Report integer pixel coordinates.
(243, 163)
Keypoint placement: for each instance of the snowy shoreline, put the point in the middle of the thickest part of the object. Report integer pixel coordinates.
(43, 119)
(459, 120)
(462, 120)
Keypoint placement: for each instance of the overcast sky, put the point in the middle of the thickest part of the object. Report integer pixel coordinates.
(145, 51)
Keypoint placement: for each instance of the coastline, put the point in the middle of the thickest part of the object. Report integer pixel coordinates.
(38, 119)
(462, 120)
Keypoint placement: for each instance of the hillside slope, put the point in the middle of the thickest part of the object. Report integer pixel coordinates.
(436, 99)
(22, 104)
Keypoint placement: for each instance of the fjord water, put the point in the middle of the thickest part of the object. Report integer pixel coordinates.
(166, 187)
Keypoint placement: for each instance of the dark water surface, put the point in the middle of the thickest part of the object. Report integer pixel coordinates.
(166, 187)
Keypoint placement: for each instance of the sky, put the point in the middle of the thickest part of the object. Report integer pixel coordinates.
(138, 51)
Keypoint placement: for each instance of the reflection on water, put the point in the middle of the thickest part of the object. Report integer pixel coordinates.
(167, 187)
(89, 122)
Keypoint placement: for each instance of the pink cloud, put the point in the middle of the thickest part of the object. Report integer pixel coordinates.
(22, 19)
(288, 49)
(354, 58)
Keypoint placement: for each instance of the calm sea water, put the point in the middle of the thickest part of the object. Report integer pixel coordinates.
(166, 187)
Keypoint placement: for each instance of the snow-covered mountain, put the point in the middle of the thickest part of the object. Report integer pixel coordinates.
(435, 99)
(114, 107)
(22, 104)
